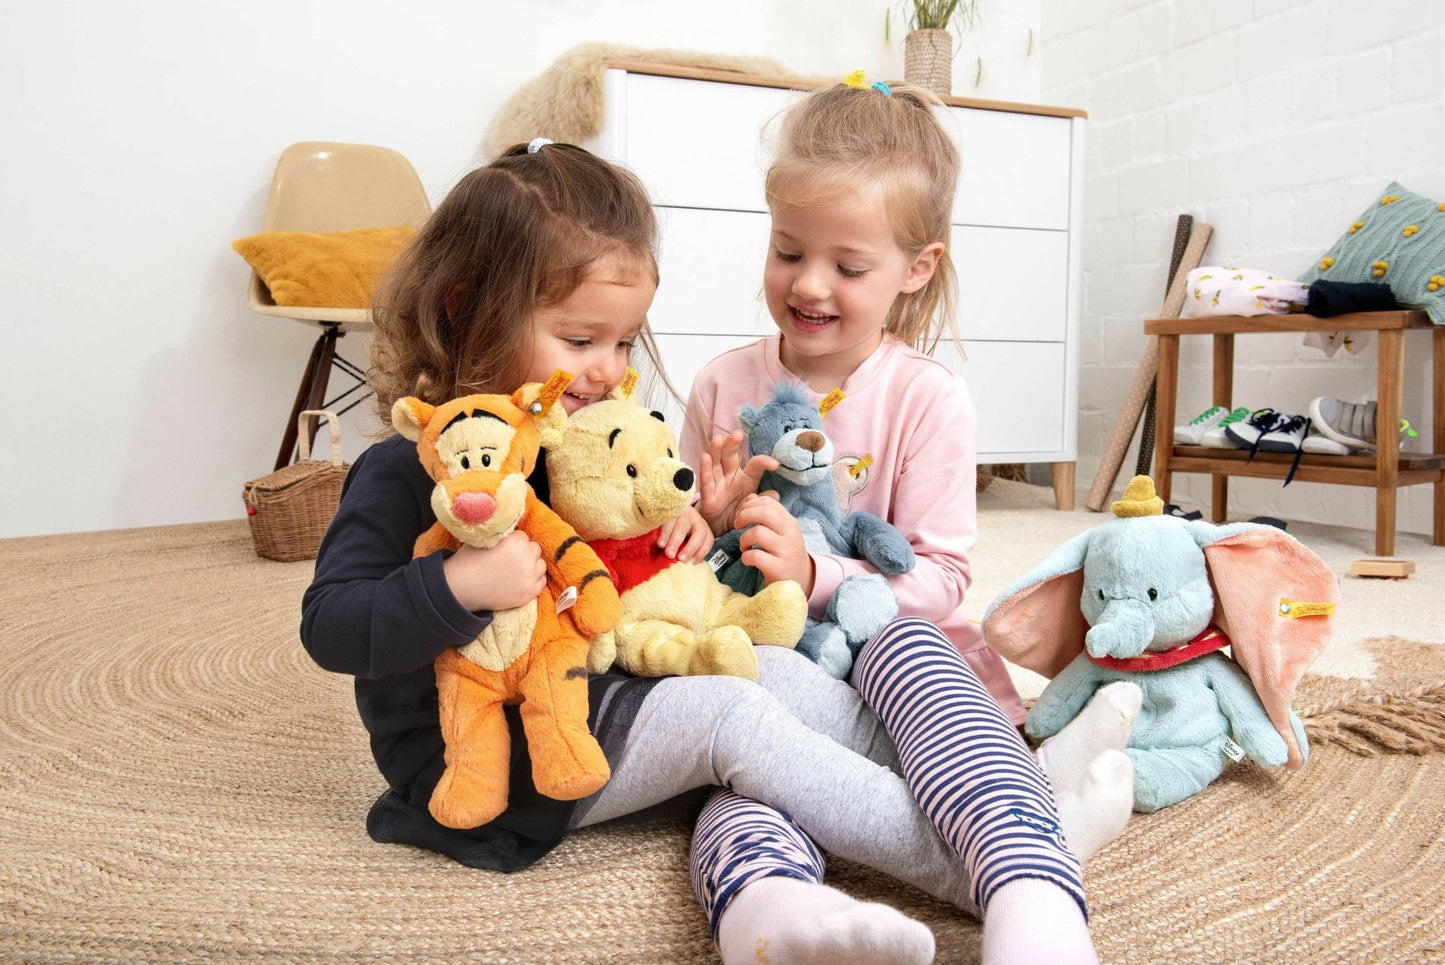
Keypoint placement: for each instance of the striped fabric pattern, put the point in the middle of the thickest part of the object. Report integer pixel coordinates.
(969, 769)
(737, 841)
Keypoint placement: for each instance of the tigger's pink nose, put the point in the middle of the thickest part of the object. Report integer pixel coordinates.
(474, 508)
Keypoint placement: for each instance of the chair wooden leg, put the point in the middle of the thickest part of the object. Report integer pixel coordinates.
(311, 393)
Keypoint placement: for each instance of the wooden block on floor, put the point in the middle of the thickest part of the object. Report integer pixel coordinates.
(1387, 567)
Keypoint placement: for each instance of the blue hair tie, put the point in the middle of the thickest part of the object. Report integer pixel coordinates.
(882, 88)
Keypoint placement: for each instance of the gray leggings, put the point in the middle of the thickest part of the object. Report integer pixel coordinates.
(798, 740)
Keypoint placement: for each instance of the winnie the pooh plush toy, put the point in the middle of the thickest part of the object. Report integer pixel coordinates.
(615, 478)
(480, 449)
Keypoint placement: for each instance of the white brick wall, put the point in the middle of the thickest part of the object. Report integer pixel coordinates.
(1276, 122)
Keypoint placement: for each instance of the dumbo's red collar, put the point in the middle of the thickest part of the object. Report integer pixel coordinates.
(1211, 639)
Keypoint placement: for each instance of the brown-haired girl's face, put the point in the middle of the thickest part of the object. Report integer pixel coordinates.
(591, 332)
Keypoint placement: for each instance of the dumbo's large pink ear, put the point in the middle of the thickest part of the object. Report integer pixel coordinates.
(1041, 627)
(1275, 601)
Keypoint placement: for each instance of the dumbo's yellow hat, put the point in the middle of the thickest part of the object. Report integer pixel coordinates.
(1139, 500)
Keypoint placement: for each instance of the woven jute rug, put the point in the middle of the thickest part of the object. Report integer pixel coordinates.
(178, 783)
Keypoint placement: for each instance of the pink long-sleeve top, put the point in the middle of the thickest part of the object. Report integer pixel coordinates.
(915, 418)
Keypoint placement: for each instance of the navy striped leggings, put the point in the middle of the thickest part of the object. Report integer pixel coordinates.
(971, 773)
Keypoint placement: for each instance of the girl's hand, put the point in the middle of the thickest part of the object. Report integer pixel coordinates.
(775, 543)
(686, 538)
(723, 479)
(507, 575)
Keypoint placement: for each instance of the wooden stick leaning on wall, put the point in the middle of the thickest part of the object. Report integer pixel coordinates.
(1144, 376)
(1142, 466)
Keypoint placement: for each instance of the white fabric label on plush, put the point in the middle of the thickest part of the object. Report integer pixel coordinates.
(1215, 290)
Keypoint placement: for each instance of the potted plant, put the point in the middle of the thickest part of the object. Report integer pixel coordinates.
(928, 48)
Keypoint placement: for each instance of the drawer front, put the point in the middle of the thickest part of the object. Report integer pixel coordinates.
(682, 357)
(1018, 390)
(697, 143)
(1013, 284)
(1015, 169)
(712, 273)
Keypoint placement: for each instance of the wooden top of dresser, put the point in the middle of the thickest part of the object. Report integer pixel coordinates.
(814, 82)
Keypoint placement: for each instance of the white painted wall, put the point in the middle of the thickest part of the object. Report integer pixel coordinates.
(141, 139)
(1276, 122)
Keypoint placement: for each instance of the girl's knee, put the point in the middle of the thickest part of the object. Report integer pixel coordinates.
(904, 635)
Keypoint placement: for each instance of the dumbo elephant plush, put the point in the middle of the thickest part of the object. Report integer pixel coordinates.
(1155, 599)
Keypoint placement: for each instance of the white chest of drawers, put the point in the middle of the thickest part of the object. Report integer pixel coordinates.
(694, 138)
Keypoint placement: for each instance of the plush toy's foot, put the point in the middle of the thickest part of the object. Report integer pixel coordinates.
(466, 797)
(827, 646)
(567, 764)
(785, 921)
(726, 650)
(1164, 776)
(392, 820)
(862, 605)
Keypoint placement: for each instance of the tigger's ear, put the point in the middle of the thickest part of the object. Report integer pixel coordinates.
(551, 424)
(410, 415)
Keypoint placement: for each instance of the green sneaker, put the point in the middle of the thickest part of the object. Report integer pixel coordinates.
(1215, 437)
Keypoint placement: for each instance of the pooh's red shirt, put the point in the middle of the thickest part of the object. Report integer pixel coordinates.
(632, 561)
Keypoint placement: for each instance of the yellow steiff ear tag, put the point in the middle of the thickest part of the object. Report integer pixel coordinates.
(1294, 609)
(857, 468)
(553, 388)
(830, 402)
(629, 383)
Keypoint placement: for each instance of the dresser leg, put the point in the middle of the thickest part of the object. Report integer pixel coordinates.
(1063, 473)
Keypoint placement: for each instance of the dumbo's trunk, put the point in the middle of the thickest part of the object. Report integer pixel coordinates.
(1124, 629)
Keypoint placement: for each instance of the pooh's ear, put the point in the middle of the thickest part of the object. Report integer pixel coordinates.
(409, 416)
(552, 424)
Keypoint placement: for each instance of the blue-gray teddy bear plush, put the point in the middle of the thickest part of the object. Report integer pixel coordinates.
(790, 429)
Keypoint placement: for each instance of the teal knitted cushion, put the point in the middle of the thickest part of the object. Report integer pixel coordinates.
(1398, 241)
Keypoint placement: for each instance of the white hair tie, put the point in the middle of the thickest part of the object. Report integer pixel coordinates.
(537, 143)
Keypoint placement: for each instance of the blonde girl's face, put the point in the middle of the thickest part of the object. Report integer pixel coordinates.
(832, 274)
(593, 330)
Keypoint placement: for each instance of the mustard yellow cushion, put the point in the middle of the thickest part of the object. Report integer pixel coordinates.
(334, 269)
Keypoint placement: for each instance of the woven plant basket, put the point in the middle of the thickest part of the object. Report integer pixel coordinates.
(928, 60)
(290, 509)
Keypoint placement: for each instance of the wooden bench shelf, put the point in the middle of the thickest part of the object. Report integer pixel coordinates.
(1385, 471)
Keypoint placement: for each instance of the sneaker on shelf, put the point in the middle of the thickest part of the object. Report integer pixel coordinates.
(1322, 445)
(1190, 433)
(1246, 432)
(1286, 435)
(1351, 424)
(1217, 437)
(1348, 423)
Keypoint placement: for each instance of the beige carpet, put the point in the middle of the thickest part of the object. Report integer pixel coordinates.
(179, 784)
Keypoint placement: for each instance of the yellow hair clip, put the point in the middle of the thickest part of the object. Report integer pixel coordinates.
(855, 79)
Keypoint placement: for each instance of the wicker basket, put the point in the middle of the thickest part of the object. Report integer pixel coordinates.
(291, 508)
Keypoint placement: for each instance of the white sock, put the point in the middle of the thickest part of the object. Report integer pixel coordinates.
(785, 921)
(1093, 778)
(1030, 920)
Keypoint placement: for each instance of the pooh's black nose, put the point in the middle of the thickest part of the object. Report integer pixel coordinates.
(682, 479)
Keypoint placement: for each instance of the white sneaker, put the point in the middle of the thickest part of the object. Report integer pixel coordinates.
(1351, 424)
(1190, 433)
(1348, 423)
(1216, 438)
(1286, 435)
(1322, 445)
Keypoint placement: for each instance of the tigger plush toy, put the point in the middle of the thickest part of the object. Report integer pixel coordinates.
(480, 449)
